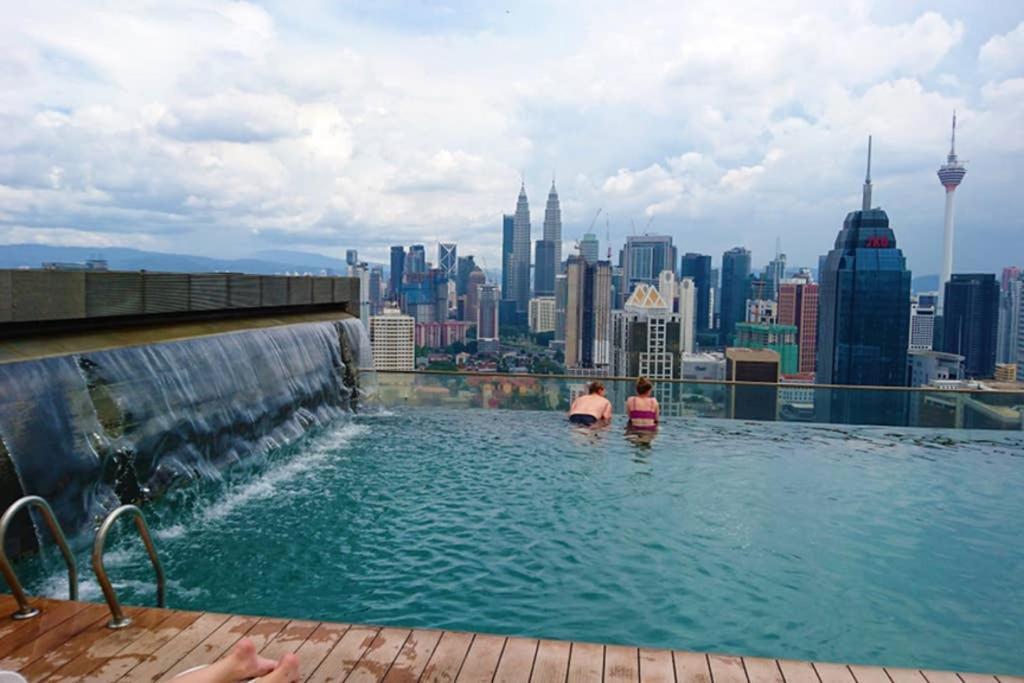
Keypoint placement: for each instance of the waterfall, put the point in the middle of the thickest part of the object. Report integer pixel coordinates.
(89, 431)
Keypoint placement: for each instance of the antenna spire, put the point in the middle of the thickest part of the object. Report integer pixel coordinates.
(952, 139)
(866, 203)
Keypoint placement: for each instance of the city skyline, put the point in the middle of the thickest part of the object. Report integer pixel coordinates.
(266, 133)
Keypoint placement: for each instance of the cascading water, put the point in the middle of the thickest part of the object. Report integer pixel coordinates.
(89, 431)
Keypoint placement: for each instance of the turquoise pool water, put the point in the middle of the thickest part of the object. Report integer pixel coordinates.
(854, 544)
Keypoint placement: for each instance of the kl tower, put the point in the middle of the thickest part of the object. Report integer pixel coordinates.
(951, 174)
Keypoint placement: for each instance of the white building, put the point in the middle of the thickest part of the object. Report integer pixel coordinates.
(393, 340)
(922, 321)
(705, 366)
(932, 368)
(647, 335)
(362, 271)
(686, 305)
(542, 314)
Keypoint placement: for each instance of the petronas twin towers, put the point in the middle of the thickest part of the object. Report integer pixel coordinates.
(548, 252)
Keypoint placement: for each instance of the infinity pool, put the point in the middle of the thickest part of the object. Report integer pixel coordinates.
(859, 544)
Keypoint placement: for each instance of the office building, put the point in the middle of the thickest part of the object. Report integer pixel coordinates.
(545, 267)
(752, 365)
(447, 259)
(588, 314)
(488, 321)
(698, 267)
(471, 299)
(542, 314)
(376, 290)
(922, 321)
(361, 272)
(425, 296)
(393, 340)
(798, 306)
(951, 174)
(519, 278)
(561, 298)
(553, 229)
(686, 307)
(735, 286)
(925, 367)
(704, 366)
(416, 260)
(463, 267)
(774, 273)
(647, 336)
(508, 224)
(642, 259)
(396, 273)
(590, 248)
(779, 338)
(971, 321)
(1010, 299)
(351, 257)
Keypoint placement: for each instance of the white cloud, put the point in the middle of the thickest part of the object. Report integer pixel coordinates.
(1003, 55)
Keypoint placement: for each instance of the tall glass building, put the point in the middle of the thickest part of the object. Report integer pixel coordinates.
(507, 229)
(971, 320)
(864, 315)
(698, 266)
(735, 278)
(397, 270)
(643, 258)
(545, 267)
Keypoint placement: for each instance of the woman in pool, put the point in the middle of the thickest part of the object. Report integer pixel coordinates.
(591, 408)
(643, 409)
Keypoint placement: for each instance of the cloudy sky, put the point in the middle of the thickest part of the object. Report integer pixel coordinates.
(226, 128)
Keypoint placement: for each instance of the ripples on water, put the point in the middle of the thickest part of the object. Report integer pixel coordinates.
(851, 544)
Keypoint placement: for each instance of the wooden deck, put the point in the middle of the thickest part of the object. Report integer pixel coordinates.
(69, 641)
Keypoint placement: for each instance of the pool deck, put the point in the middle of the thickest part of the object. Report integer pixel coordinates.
(69, 641)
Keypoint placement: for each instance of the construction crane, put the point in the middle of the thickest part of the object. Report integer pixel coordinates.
(608, 235)
(590, 228)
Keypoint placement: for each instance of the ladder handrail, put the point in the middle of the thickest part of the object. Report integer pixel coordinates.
(118, 619)
(25, 610)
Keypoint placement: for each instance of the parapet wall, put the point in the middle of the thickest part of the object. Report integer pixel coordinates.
(46, 298)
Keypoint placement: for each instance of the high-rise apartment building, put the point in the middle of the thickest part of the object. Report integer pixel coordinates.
(798, 306)
(735, 287)
(519, 278)
(588, 314)
(553, 227)
(686, 306)
(864, 317)
(542, 314)
(643, 258)
(393, 340)
(545, 267)
(590, 247)
(922, 321)
(508, 224)
(971, 320)
(447, 259)
(698, 267)
(396, 273)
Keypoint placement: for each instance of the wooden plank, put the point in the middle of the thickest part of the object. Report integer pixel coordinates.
(14, 634)
(57, 657)
(343, 655)
(91, 616)
(869, 674)
(265, 630)
(947, 677)
(656, 666)
(108, 646)
(140, 649)
(976, 678)
(1006, 679)
(213, 646)
(905, 675)
(413, 657)
(482, 660)
(289, 639)
(586, 662)
(795, 672)
(552, 662)
(621, 664)
(154, 666)
(725, 669)
(448, 656)
(830, 672)
(379, 657)
(516, 663)
(761, 670)
(691, 667)
(316, 648)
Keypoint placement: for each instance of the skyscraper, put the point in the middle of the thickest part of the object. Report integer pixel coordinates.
(588, 314)
(447, 258)
(698, 266)
(487, 323)
(646, 336)
(922, 321)
(951, 174)
(416, 260)
(351, 257)
(464, 266)
(519, 280)
(474, 282)
(798, 306)
(1011, 297)
(507, 230)
(553, 226)
(545, 267)
(397, 271)
(590, 248)
(864, 310)
(735, 279)
(393, 340)
(774, 273)
(376, 286)
(971, 320)
(643, 258)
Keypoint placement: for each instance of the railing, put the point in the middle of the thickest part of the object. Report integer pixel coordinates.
(25, 610)
(118, 619)
(784, 402)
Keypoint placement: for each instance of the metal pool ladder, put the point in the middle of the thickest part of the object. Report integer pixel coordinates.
(25, 610)
(117, 617)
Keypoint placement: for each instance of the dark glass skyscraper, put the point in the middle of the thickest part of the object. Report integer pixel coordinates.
(507, 230)
(698, 266)
(545, 267)
(863, 317)
(971, 320)
(735, 276)
(397, 270)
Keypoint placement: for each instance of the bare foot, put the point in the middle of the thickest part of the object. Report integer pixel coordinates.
(287, 671)
(241, 664)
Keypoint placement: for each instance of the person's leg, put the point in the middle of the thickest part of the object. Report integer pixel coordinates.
(241, 664)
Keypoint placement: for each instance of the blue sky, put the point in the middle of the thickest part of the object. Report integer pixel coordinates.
(226, 128)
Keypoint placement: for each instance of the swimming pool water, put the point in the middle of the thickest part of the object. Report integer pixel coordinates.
(853, 544)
